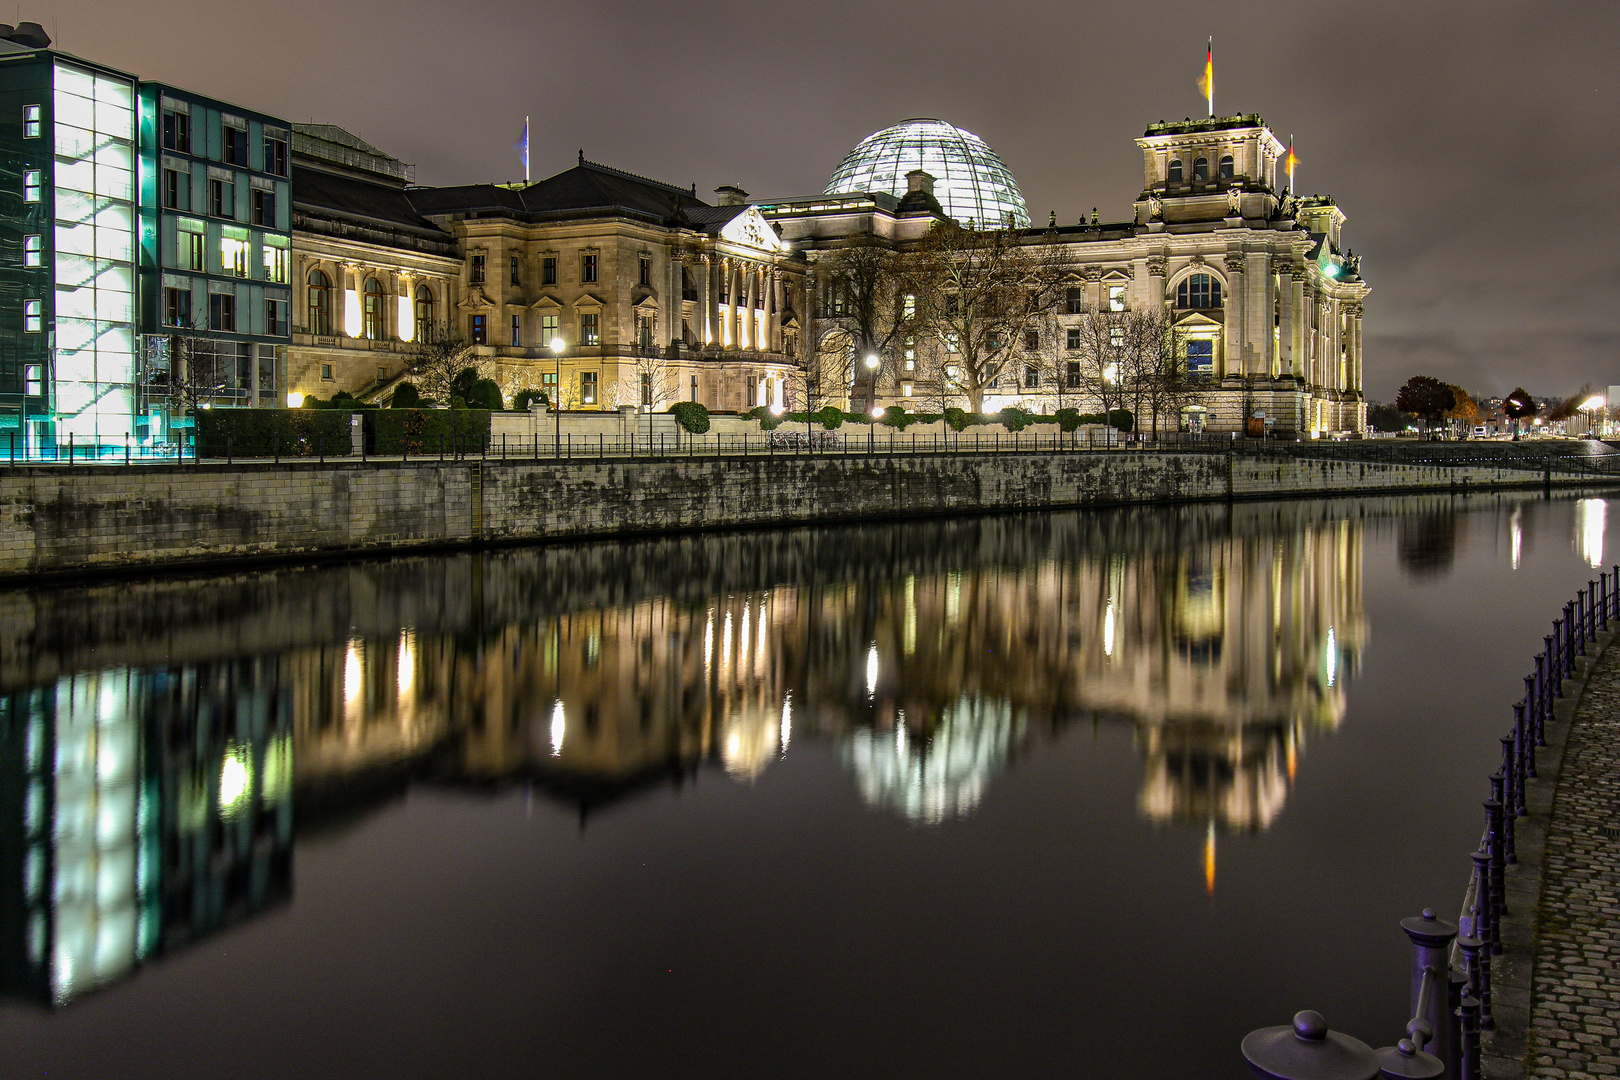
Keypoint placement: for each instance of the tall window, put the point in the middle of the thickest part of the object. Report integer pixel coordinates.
(320, 304)
(590, 328)
(1076, 301)
(1198, 291)
(587, 268)
(176, 131)
(1116, 298)
(478, 329)
(1227, 167)
(1032, 340)
(31, 186)
(424, 313)
(32, 250)
(275, 262)
(548, 330)
(192, 244)
(222, 198)
(374, 316)
(644, 331)
(1201, 169)
(171, 188)
(1032, 376)
(517, 329)
(233, 256)
(646, 388)
(1200, 358)
(275, 154)
(475, 269)
(235, 148)
(587, 388)
(1074, 341)
(33, 316)
(1175, 171)
(264, 207)
(33, 379)
(645, 275)
(548, 270)
(275, 317)
(1074, 374)
(222, 312)
(30, 121)
(513, 266)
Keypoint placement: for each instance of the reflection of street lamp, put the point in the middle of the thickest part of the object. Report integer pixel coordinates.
(556, 346)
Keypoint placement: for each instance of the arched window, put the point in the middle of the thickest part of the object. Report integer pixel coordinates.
(374, 320)
(320, 304)
(424, 313)
(1201, 169)
(1175, 171)
(1227, 167)
(1198, 291)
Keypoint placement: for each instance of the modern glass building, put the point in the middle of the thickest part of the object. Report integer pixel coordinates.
(215, 254)
(970, 181)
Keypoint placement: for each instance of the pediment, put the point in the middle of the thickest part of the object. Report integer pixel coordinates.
(547, 303)
(1116, 274)
(750, 229)
(647, 303)
(587, 302)
(1196, 321)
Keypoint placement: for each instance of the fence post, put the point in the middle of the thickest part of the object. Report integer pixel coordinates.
(1498, 854)
(126, 448)
(1506, 791)
(1523, 726)
(277, 439)
(70, 450)
(1431, 940)
(320, 445)
(230, 448)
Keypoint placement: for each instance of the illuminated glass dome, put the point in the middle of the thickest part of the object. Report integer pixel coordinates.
(970, 181)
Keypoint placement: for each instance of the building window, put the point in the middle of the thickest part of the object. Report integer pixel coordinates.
(31, 186)
(382, 373)
(1032, 376)
(1076, 301)
(30, 121)
(517, 329)
(33, 316)
(222, 198)
(548, 330)
(1032, 340)
(905, 389)
(373, 325)
(1074, 338)
(587, 268)
(1201, 169)
(235, 146)
(264, 208)
(751, 395)
(1226, 167)
(222, 311)
(275, 155)
(326, 372)
(513, 266)
(694, 396)
(233, 256)
(1116, 298)
(790, 342)
(1201, 357)
(475, 269)
(479, 329)
(645, 275)
(34, 379)
(590, 328)
(275, 263)
(171, 189)
(644, 331)
(193, 249)
(275, 318)
(548, 270)
(176, 307)
(32, 250)
(1074, 374)
(1198, 291)
(1116, 338)
(176, 131)
(320, 304)
(424, 313)
(646, 388)
(1175, 171)
(587, 388)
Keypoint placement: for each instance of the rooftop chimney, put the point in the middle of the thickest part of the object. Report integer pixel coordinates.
(730, 195)
(917, 180)
(32, 35)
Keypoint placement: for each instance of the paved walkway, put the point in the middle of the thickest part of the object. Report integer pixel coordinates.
(1574, 1000)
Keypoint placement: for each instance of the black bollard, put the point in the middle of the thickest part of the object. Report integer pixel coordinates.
(1307, 1050)
(1431, 940)
(1502, 790)
(1498, 852)
(1527, 745)
(1470, 1048)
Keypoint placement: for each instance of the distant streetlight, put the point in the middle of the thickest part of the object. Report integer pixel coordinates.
(556, 346)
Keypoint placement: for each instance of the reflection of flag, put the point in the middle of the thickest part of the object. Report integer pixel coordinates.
(1206, 82)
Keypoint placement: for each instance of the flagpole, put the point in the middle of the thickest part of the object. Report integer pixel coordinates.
(525, 149)
(1209, 75)
(1290, 163)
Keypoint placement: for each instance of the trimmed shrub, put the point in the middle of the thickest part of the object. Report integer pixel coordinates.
(1068, 419)
(832, 418)
(267, 432)
(528, 396)
(427, 431)
(958, 419)
(691, 415)
(462, 385)
(486, 394)
(406, 396)
(1013, 418)
(895, 416)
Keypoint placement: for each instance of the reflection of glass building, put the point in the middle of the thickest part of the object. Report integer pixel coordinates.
(138, 810)
(940, 774)
(970, 181)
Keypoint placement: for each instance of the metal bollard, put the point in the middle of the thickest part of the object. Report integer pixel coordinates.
(1484, 908)
(1307, 1050)
(1470, 1048)
(1543, 696)
(1505, 790)
(1431, 940)
(1527, 747)
(1498, 853)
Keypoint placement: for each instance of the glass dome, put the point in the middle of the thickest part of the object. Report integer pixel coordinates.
(970, 181)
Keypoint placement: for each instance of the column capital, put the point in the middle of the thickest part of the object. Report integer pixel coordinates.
(1157, 266)
(1235, 262)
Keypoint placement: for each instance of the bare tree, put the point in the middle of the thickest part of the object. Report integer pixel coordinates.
(828, 373)
(1165, 384)
(199, 373)
(978, 292)
(1102, 356)
(436, 358)
(647, 380)
(863, 293)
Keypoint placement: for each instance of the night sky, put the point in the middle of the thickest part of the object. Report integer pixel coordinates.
(1472, 145)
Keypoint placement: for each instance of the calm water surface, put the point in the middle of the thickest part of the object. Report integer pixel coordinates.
(1077, 794)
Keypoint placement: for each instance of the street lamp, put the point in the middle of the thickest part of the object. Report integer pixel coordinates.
(872, 364)
(1595, 403)
(556, 346)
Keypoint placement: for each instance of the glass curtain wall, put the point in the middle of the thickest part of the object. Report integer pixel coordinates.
(95, 252)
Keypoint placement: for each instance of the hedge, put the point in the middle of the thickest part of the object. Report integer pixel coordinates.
(273, 432)
(691, 415)
(427, 431)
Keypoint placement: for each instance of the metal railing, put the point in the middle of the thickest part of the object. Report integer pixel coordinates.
(1456, 957)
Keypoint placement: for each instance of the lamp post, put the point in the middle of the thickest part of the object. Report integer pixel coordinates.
(556, 346)
(1595, 403)
(872, 365)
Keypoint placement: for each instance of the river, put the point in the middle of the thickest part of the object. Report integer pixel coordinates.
(1037, 795)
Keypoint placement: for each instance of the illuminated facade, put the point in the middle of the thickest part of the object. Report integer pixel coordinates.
(1256, 279)
(215, 254)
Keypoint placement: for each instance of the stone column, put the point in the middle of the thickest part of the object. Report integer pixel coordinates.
(708, 328)
(776, 310)
(1094, 294)
(1236, 303)
(674, 307)
(1296, 300)
(1287, 358)
(1257, 316)
(1335, 345)
(750, 277)
(1155, 282)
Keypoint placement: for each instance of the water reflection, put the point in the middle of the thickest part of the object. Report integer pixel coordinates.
(148, 804)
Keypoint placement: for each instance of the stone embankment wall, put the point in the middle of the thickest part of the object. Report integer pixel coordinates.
(86, 519)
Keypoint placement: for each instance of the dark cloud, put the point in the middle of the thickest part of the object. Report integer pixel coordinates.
(1470, 143)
